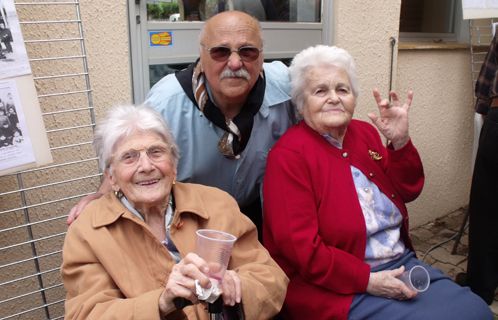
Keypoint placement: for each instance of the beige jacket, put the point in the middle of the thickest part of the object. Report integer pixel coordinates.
(115, 268)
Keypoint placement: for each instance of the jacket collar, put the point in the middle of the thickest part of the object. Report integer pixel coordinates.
(187, 199)
(110, 209)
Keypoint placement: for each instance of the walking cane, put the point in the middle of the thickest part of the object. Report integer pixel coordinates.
(215, 309)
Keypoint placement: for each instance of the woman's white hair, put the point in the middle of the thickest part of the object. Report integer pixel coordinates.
(319, 56)
(122, 121)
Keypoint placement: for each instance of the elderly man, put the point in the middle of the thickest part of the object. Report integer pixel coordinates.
(226, 111)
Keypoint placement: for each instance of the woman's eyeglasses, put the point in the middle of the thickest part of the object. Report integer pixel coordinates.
(222, 53)
(156, 152)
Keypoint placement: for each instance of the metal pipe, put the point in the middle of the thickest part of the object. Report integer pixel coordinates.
(51, 40)
(42, 3)
(30, 259)
(60, 76)
(62, 94)
(51, 167)
(30, 276)
(71, 145)
(46, 305)
(32, 241)
(45, 203)
(393, 43)
(70, 128)
(33, 248)
(57, 58)
(30, 224)
(54, 21)
(51, 184)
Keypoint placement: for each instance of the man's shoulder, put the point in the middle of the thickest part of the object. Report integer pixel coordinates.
(169, 99)
(277, 83)
(276, 72)
(166, 89)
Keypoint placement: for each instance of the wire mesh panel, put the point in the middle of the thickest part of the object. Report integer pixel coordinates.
(34, 203)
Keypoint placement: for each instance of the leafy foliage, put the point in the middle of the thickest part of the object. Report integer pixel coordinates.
(162, 11)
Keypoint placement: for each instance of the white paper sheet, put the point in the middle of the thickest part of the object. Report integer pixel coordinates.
(479, 9)
(15, 143)
(13, 57)
(492, 4)
(474, 4)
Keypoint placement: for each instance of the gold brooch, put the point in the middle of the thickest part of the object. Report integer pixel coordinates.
(374, 155)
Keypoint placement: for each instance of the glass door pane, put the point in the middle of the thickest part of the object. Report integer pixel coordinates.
(263, 10)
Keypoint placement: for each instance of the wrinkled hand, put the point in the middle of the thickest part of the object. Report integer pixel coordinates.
(384, 284)
(231, 288)
(393, 121)
(181, 282)
(76, 210)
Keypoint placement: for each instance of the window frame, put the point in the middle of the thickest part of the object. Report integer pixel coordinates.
(459, 35)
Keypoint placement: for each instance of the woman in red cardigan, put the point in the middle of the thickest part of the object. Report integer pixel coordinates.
(335, 218)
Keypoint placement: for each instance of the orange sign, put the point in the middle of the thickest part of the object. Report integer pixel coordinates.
(162, 38)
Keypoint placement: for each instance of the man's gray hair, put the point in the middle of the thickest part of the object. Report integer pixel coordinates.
(319, 56)
(123, 121)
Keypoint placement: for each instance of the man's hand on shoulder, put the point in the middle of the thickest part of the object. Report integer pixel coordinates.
(105, 187)
(76, 210)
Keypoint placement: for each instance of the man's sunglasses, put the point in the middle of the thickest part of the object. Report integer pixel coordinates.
(222, 53)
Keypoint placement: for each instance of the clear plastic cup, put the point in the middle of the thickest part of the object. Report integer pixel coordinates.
(417, 278)
(215, 248)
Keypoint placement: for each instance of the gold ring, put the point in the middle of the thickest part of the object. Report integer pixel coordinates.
(403, 297)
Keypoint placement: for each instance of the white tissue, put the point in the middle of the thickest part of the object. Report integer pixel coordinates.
(209, 295)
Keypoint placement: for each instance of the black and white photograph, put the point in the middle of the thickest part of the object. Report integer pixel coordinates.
(5, 35)
(15, 145)
(13, 57)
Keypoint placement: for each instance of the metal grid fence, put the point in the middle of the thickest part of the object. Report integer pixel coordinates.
(34, 203)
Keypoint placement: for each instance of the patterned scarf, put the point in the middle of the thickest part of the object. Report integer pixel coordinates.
(237, 130)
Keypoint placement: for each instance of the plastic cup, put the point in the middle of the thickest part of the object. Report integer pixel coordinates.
(215, 248)
(417, 278)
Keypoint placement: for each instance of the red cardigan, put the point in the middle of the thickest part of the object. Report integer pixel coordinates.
(313, 223)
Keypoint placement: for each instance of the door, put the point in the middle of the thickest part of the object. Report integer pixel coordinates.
(164, 34)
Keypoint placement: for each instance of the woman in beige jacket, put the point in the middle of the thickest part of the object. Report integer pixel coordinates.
(131, 253)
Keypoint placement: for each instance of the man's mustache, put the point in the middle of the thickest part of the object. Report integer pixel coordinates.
(241, 73)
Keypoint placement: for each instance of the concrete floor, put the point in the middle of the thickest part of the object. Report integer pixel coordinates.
(424, 238)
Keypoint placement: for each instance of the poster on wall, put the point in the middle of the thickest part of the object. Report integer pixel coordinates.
(13, 57)
(15, 143)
